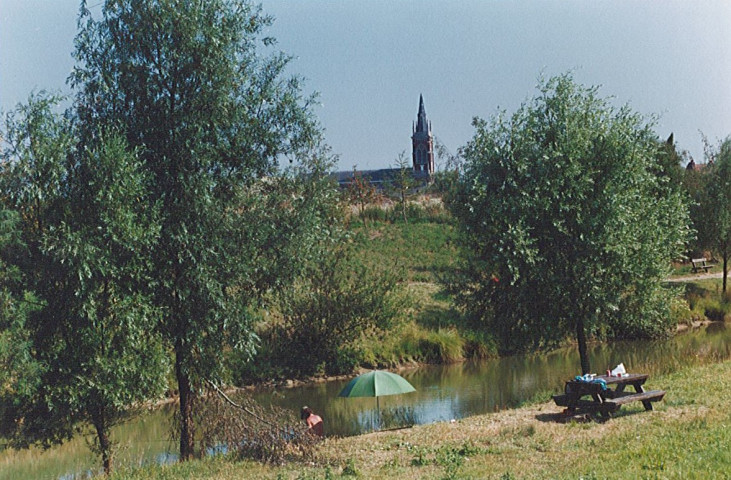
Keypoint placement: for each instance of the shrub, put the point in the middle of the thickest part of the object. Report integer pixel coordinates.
(680, 312)
(323, 317)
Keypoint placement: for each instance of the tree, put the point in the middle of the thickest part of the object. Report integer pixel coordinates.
(402, 182)
(669, 162)
(327, 314)
(89, 228)
(361, 191)
(448, 168)
(715, 209)
(566, 226)
(212, 118)
(19, 371)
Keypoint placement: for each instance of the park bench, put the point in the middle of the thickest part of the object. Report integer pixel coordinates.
(605, 400)
(701, 264)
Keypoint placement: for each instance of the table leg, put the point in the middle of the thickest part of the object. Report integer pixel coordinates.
(640, 389)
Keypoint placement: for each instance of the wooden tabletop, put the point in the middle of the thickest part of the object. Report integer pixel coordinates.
(631, 378)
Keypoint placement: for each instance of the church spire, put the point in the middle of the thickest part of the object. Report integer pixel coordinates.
(421, 122)
(422, 142)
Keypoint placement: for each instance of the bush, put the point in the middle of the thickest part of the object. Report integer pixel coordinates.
(329, 311)
(680, 312)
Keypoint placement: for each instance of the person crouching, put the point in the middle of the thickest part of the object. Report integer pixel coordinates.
(314, 422)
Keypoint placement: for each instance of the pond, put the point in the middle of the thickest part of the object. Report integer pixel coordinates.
(444, 392)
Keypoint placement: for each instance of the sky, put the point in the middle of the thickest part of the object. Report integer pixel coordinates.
(369, 60)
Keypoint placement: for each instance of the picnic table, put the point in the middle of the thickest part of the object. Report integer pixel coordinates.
(608, 398)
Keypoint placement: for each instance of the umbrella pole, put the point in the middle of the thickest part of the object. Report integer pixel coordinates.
(378, 408)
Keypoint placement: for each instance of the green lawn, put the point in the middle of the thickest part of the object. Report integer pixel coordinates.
(422, 250)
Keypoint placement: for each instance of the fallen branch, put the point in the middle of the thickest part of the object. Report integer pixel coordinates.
(241, 407)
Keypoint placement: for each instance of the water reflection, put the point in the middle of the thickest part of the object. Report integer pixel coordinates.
(443, 393)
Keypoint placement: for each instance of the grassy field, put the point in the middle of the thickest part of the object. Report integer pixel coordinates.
(687, 436)
(423, 250)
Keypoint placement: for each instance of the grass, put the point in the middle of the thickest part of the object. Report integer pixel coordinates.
(687, 436)
(423, 250)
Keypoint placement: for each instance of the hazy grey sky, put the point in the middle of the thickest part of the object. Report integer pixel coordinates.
(370, 60)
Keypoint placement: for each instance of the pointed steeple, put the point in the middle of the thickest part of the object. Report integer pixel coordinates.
(422, 142)
(421, 123)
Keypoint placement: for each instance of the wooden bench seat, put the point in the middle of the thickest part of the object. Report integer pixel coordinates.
(650, 396)
(610, 404)
(699, 264)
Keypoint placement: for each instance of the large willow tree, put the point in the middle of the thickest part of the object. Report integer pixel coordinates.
(84, 346)
(568, 228)
(210, 116)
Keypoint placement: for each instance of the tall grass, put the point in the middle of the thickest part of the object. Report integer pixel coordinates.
(426, 211)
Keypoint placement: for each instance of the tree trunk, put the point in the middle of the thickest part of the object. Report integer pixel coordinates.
(583, 354)
(725, 271)
(99, 420)
(187, 442)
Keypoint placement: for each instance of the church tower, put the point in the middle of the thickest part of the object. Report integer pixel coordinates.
(422, 142)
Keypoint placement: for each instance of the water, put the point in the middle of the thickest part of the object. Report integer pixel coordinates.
(444, 392)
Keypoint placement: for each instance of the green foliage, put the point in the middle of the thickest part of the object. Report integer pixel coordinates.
(446, 178)
(669, 163)
(718, 188)
(710, 208)
(350, 470)
(706, 304)
(441, 346)
(375, 213)
(422, 251)
(401, 184)
(89, 229)
(19, 371)
(430, 212)
(212, 118)
(361, 192)
(567, 226)
(325, 317)
(478, 344)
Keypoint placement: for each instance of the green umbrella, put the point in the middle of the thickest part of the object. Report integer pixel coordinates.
(376, 383)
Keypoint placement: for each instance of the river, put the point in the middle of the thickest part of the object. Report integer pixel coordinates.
(444, 392)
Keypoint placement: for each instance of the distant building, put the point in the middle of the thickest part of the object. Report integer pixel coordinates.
(422, 142)
(698, 167)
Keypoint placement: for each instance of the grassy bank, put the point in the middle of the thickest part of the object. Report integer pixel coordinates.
(686, 436)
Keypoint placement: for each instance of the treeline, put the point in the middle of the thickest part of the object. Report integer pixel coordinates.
(181, 201)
